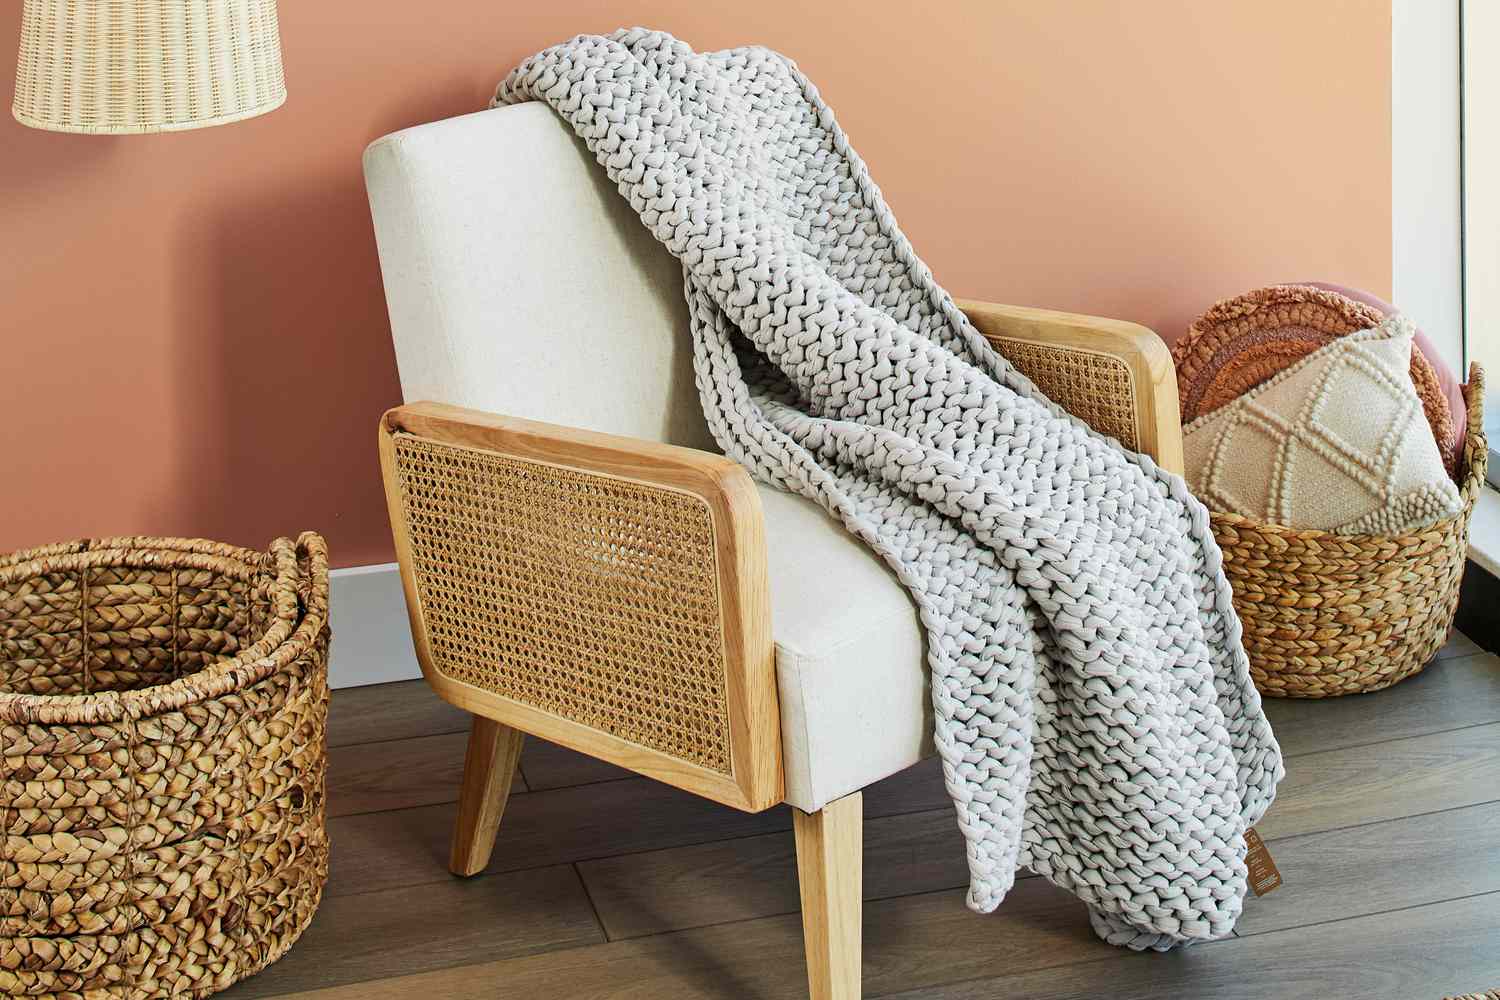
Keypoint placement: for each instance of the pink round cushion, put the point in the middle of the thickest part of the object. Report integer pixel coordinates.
(1451, 386)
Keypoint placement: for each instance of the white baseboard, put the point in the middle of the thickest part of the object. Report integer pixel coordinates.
(1484, 532)
(371, 633)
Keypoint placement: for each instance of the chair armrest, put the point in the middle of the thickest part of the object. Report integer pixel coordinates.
(601, 592)
(1116, 376)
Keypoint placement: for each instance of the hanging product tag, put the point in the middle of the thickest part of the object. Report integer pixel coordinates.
(1264, 877)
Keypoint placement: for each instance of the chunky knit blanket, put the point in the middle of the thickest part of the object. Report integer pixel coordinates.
(1095, 715)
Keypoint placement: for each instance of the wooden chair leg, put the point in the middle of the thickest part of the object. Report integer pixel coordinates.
(830, 866)
(489, 768)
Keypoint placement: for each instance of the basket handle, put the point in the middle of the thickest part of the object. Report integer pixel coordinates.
(1476, 446)
(312, 574)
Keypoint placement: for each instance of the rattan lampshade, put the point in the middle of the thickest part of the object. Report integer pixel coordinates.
(117, 66)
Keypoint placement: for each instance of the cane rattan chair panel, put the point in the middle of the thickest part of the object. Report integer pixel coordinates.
(591, 597)
(1114, 375)
(1097, 388)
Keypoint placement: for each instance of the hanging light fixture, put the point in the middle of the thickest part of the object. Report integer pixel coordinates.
(126, 66)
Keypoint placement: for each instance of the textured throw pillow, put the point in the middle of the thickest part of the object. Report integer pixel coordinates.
(1448, 383)
(1243, 341)
(1337, 442)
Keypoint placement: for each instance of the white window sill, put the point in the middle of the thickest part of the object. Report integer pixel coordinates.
(1484, 531)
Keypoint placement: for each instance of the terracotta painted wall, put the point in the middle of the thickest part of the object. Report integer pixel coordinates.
(192, 329)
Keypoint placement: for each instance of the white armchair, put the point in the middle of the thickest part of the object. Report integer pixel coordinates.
(579, 561)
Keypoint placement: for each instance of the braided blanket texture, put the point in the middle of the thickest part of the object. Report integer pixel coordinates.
(1095, 715)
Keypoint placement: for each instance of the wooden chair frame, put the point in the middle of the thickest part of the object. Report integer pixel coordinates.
(1116, 375)
(738, 554)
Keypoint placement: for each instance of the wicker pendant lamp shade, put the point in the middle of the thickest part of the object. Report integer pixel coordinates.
(123, 66)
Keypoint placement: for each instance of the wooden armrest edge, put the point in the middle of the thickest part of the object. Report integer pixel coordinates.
(610, 454)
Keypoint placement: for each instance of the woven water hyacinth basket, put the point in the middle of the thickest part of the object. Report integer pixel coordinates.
(1327, 614)
(162, 758)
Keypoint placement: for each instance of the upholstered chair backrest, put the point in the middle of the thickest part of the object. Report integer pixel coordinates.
(520, 282)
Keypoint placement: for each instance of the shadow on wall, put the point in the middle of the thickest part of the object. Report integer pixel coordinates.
(281, 345)
(55, 160)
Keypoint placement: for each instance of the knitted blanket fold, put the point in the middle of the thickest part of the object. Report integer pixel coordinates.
(1095, 715)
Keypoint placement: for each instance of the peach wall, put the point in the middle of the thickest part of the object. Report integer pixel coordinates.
(192, 326)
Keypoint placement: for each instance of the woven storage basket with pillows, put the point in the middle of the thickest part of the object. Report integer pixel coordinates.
(1340, 463)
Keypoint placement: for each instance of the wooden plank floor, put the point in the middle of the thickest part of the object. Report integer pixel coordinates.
(1387, 832)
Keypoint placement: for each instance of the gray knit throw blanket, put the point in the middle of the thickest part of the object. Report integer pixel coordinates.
(1095, 715)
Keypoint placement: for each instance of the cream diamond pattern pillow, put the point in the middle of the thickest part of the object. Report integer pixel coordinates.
(1337, 442)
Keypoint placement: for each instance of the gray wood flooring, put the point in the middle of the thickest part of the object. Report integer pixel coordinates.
(1386, 830)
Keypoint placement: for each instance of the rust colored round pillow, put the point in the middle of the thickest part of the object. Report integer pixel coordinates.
(1243, 341)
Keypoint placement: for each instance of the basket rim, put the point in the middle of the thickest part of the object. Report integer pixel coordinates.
(1476, 459)
(299, 620)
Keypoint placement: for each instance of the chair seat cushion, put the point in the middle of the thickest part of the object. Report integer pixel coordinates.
(850, 656)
